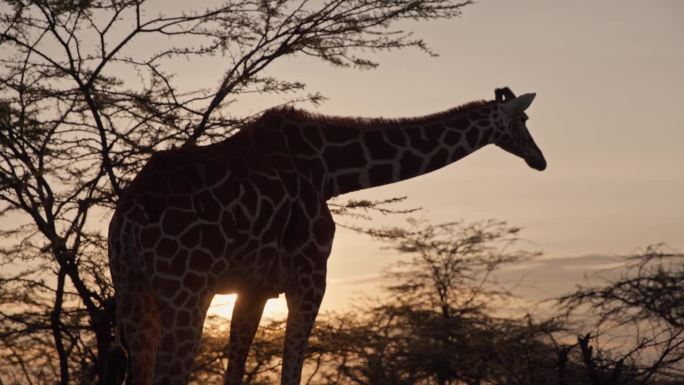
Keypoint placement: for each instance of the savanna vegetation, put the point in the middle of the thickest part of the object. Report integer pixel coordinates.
(89, 89)
(440, 322)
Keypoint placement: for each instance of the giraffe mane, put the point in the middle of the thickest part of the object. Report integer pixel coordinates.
(350, 121)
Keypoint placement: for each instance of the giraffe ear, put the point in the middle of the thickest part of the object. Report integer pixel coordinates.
(519, 104)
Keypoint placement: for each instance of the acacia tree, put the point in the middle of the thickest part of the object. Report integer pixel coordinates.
(444, 297)
(437, 324)
(643, 300)
(84, 101)
(265, 355)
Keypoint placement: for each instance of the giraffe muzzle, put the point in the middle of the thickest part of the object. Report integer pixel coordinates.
(537, 163)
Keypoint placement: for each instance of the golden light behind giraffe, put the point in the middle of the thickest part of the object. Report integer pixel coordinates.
(222, 305)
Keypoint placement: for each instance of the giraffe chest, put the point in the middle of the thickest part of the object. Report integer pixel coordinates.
(274, 240)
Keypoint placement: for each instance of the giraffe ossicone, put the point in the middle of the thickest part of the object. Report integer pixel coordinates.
(249, 216)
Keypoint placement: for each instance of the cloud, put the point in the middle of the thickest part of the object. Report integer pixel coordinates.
(357, 280)
(551, 277)
(533, 281)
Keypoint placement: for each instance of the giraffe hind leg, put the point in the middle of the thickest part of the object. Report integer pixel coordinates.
(243, 325)
(181, 331)
(141, 327)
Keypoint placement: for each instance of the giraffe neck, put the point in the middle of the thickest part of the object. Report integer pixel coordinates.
(362, 153)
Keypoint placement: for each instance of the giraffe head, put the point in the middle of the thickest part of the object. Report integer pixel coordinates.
(513, 135)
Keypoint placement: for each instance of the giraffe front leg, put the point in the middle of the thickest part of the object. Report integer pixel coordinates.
(303, 304)
(243, 325)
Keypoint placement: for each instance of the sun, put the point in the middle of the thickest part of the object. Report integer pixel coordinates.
(222, 305)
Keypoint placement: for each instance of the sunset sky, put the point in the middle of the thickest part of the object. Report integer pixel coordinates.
(609, 78)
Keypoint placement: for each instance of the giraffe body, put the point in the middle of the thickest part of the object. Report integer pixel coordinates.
(249, 216)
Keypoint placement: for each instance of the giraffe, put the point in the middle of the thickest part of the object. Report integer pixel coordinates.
(248, 215)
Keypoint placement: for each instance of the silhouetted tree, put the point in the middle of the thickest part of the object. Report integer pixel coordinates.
(643, 300)
(88, 90)
(438, 323)
(444, 293)
(263, 365)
